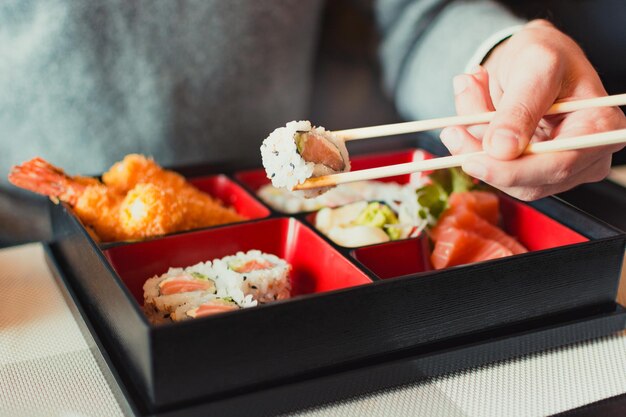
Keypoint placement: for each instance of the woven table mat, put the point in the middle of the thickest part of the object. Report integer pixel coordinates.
(47, 369)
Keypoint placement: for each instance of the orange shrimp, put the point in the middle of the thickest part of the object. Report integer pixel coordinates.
(198, 208)
(136, 169)
(149, 210)
(138, 199)
(93, 202)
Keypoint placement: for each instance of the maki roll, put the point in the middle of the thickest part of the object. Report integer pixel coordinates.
(203, 307)
(164, 294)
(255, 274)
(298, 151)
(231, 283)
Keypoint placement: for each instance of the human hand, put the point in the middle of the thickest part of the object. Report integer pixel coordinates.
(522, 78)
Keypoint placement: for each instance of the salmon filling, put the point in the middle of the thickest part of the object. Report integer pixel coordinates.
(210, 309)
(254, 265)
(185, 283)
(319, 150)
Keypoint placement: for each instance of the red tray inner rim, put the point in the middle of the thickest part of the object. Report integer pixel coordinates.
(317, 266)
(231, 194)
(535, 230)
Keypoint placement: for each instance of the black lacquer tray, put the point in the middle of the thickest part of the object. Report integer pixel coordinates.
(355, 324)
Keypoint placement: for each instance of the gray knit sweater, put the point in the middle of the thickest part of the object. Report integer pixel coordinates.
(82, 83)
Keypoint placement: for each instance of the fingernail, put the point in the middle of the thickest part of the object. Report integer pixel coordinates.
(504, 143)
(459, 84)
(451, 138)
(475, 169)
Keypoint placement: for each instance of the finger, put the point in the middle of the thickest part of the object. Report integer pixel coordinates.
(590, 121)
(532, 170)
(458, 140)
(471, 96)
(472, 93)
(596, 172)
(527, 96)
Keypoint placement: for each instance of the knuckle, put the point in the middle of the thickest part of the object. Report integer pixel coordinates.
(530, 193)
(609, 119)
(602, 171)
(562, 174)
(503, 178)
(521, 114)
(545, 56)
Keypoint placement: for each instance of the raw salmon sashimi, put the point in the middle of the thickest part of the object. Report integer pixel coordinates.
(456, 247)
(467, 231)
(484, 203)
(464, 219)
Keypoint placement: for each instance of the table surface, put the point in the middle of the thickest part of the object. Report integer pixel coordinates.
(47, 368)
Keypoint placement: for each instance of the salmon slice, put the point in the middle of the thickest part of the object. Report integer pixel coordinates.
(457, 247)
(490, 250)
(465, 219)
(484, 203)
(319, 150)
(253, 265)
(209, 309)
(184, 283)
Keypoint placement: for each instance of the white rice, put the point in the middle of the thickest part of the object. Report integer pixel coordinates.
(265, 285)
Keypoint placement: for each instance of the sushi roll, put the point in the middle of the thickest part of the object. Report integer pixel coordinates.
(233, 282)
(203, 307)
(165, 293)
(298, 151)
(262, 277)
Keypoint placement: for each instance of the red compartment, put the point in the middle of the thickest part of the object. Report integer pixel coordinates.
(232, 195)
(317, 267)
(255, 179)
(535, 230)
(395, 259)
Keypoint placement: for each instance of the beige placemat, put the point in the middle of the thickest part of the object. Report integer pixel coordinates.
(47, 369)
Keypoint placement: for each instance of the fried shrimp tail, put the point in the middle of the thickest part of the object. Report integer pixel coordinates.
(41, 177)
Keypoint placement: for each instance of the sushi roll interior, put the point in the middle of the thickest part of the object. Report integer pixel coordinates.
(238, 281)
(263, 276)
(298, 151)
(203, 307)
(165, 293)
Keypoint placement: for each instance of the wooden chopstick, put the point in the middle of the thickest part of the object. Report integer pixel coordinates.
(473, 119)
(558, 145)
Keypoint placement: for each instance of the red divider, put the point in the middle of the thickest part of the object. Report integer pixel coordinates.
(533, 229)
(231, 194)
(394, 259)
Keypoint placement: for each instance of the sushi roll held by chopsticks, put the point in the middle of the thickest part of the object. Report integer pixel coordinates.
(298, 151)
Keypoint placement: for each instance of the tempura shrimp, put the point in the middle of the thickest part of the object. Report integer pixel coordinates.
(137, 199)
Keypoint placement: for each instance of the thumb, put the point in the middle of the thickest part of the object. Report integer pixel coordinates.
(523, 104)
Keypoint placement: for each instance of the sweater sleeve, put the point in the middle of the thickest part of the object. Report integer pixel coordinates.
(425, 43)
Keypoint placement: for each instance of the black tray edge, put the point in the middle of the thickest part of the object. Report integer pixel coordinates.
(346, 383)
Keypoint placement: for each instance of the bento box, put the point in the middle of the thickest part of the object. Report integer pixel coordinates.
(352, 309)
